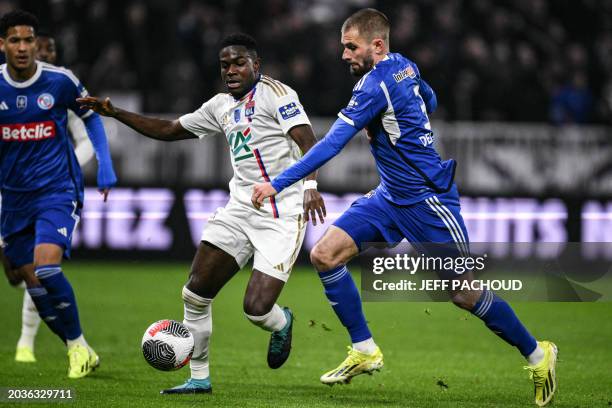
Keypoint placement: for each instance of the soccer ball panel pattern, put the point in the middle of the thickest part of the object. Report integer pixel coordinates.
(167, 345)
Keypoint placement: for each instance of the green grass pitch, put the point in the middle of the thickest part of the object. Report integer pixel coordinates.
(435, 354)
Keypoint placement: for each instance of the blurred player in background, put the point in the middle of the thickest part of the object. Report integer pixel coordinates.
(416, 199)
(83, 149)
(267, 130)
(41, 181)
(30, 320)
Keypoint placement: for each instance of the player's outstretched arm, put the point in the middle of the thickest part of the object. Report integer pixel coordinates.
(106, 174)
(337, 137)
(304, 137)
(159, 129)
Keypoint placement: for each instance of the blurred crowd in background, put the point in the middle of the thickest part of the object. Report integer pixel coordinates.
(488, 60)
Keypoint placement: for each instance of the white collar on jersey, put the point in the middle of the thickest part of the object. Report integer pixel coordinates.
(25, 84)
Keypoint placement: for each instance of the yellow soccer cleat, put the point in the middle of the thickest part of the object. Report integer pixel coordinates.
(356, 363)
(94, 359)
(543, 374)
(79, 358)
(25, 354)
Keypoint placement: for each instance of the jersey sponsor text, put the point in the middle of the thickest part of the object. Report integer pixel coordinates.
(25, 132)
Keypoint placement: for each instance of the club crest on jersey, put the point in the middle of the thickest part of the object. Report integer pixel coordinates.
(249, 109)
(237, 115)
(22, 102)
(45, 101)
(407, 72)
(289, 111)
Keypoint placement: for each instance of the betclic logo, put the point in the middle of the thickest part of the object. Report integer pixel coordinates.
(26, 132)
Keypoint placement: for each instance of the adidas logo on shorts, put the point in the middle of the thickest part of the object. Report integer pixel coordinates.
(63, 231)
(63, 305)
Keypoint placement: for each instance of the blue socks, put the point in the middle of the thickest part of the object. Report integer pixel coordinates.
(498, 316)
(344, 298)
(46, 311)
(62, 298)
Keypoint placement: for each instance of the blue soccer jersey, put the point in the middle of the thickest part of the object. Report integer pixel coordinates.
(391, 102)
(36, 156)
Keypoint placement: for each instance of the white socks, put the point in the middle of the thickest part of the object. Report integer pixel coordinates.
(366, 346)
(274, 320)
(198, 319)
(536, 356)
(30, 321)
(79, 340)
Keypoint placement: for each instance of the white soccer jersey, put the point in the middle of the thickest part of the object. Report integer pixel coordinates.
(256, 128)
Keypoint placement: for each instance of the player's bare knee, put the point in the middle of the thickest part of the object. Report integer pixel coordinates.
(463, 300)
(47, 254)
(322, 258)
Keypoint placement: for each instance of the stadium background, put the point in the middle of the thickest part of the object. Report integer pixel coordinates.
(525, 94)
(525, 107)
(524, 91)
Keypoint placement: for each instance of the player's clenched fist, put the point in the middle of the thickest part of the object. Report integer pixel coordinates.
(261, 191)
(103, 107)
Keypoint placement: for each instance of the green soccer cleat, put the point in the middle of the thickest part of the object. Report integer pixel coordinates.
(280, 342)
(191, 386)
(79, 360)
(24, 354)
(355, 364)
(543, 374)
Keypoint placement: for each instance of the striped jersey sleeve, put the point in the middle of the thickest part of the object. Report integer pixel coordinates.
(285, 102)
(72, 89)
(366, 103)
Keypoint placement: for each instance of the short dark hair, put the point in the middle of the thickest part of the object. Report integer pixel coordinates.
(17, 18)
(370, 23)
(42, 32)
(240, 39)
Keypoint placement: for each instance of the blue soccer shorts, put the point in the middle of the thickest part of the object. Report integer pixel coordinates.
(435, 220)
(43, 223)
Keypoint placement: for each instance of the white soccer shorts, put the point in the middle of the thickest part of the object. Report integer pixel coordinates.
(273, 243)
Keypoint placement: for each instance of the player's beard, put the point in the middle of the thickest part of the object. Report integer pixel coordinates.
(364, 67)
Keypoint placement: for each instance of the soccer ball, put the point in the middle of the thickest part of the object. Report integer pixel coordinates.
(167, 345)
